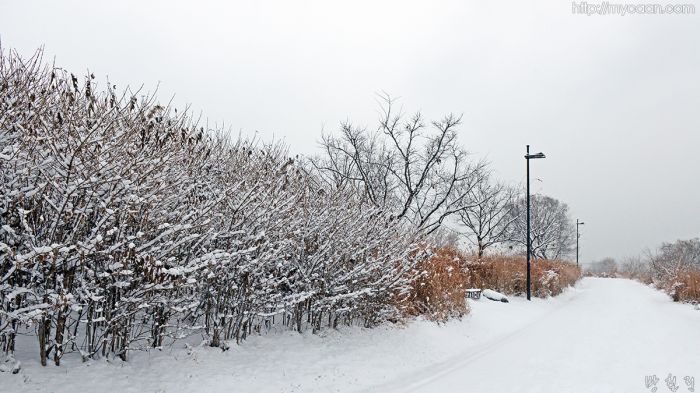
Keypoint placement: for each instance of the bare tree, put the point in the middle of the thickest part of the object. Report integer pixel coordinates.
(552, 233)
(489, 216)
(635, 267)
(672, 258)
(605, 267)
(404, 168)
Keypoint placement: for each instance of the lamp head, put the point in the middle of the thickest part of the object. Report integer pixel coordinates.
(536, 155)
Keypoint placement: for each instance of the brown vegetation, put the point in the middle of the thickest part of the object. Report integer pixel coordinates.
(440, 289)
(689, 290)
(439, 292)
(508, 275)
(685, 287)
(673, 268)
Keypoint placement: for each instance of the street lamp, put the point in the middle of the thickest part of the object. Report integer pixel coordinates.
(528, 157)
(577, 236)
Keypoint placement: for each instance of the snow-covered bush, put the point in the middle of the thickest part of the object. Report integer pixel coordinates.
(125, 225)
(675, 267)
(439, 292)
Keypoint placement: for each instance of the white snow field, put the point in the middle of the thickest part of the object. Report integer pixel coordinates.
(605, 335)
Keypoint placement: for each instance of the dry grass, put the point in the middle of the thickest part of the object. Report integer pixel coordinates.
(509, 275)
(440, 289)
(682, 285)
(685, 287)
(438, 293)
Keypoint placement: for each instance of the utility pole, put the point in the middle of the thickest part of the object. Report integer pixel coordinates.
(577, 236)
(528, 157)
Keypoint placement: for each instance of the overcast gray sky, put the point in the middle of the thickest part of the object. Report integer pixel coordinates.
(613, 101)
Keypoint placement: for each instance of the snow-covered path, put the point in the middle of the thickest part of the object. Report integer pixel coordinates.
(607, 338)
(605, 335)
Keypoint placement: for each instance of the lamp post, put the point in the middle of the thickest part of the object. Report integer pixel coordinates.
(528, 157)
(577, 236)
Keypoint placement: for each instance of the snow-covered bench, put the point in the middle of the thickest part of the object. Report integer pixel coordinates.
(493, 295)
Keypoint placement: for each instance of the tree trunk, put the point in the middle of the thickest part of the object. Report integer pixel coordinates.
(44, 332)
(60, 327)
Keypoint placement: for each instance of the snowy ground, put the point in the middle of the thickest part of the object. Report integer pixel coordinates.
(606, 335)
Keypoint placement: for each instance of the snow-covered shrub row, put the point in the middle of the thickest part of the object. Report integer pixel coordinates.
(125, 225)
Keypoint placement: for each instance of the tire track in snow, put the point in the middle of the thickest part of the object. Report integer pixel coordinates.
(461, 360)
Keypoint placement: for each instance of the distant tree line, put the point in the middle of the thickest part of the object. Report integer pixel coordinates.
(673, 267)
